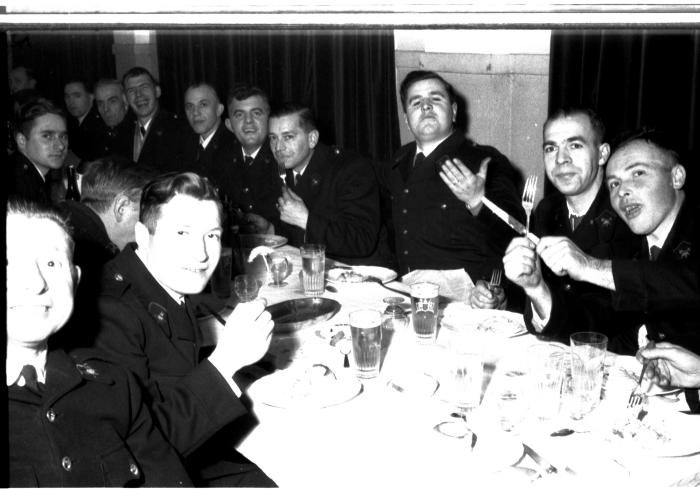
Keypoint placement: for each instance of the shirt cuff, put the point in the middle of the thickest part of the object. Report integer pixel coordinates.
(538, 322)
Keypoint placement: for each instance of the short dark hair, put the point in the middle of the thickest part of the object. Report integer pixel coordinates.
(651, 135)
(161, 190)
(138, 71)
(32, 110)
(202, 83)
(105, 82)
(420, 75)
(106, 178)
(35, 210)
(307, 121)
(244, 91)
(571, 110)
(82, 81)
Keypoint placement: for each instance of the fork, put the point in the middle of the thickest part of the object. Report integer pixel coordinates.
(528, 201)
(637, 396)
(495, 278)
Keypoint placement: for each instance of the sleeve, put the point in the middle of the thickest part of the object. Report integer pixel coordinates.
(189, 408)
(350, 227)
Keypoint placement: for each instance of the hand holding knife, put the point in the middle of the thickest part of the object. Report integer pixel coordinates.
(516, 225)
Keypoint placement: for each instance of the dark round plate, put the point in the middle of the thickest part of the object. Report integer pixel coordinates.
(293, 315)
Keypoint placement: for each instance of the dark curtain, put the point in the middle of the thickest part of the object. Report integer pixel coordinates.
(58, 56)
(347, 77)
(633, 78)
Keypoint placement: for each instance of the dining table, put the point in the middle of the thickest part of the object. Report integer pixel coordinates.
(403, 428)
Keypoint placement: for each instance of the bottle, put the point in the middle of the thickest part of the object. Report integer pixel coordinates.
(72, 192)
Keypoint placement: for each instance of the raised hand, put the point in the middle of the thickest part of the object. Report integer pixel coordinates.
(468, 187)
(292, 208)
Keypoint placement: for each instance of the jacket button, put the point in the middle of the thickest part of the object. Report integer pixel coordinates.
(662, 336)
(405, 231)
(405, 252)
(118, 277)
(443, 206)
(404, 211)
(250, 207)
(51, 415)
(67, 464)
(245, 190)
(567, 287)
(336, 151)
(405, 190)
(134, 470)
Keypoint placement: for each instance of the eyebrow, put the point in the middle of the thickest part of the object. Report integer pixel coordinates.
(568, 140)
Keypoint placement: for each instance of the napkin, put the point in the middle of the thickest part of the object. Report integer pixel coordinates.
(455, 285)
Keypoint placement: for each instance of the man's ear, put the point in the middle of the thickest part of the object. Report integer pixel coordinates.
(227, 123)
(21, 140)
(604, 154)
(77, 273)
(678, 176)
(454, 112)
(157, 91)
(313, 138)
(219, 110)
(121, 207)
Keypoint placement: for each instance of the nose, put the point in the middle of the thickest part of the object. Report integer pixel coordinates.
(426, 104)
(278, 145)
(199, 250)
(562, 156)
(61, 142)
(32, 279)
(248, 118)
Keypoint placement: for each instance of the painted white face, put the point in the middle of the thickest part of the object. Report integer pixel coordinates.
(429, 113)
(184, 249)
(644, 185)
(572, 158)
(40, 279)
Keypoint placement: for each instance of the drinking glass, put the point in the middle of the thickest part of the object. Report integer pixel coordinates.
(313, 266)
(366, 332)
(246, 287)
(587, 367)
(424, 304)
(280, 268)
(546, 374)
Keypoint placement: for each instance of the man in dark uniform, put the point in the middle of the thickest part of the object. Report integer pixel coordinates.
(254, 180)
(331, 196)
(73, 420)
(42, 145)
(84, 118)
(436, 184)
(115, 134)
(159, 136)
(575, 154)
(148, 325)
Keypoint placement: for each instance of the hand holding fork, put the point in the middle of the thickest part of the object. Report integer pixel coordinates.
(488, 295)
(528, 200)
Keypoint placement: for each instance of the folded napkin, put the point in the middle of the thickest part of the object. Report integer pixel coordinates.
(455, 285)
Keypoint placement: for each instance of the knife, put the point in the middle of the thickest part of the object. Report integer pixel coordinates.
(543, 462)
(516, 225)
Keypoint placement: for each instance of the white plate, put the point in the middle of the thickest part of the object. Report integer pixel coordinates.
(299, 388)
(502, 324)
(417, 384)
(661, 433)
(384, 274)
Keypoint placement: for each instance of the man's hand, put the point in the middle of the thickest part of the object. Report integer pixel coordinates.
(245, 338)
(485, 297)
(292, 209)
(468, 187)
(260, 224)
(671, 365)
(563, 257)
(521, 264)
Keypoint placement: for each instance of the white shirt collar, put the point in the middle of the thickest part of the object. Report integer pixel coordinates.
(147, 124)
(253, 154)
(658, 237)
(205, 142)
(19, 357)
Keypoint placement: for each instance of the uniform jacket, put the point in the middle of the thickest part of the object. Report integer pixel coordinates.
(255, 187)
(117, 140)
(432, 228)
(164, 146)
(601, 234)
(88, 428)
(80, 135)
(25, 181)
(340, 191)
(143, 328)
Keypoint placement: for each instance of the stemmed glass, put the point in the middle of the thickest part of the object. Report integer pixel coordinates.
(280, 268)
(246, 287)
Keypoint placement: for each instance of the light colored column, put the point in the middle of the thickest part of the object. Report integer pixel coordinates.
(135, 48)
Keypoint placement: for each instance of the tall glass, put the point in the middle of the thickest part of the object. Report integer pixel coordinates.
(313, 265)
(424, 304)
(587, 368)
(366, 332)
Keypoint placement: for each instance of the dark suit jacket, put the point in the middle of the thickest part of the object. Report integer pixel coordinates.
(601, 234)
(341, 193)
(91, 415)
(432, 228)
(118, 140)
(164, 146)
(143, 329)
(25, 182)
(256, 187)
(81, 135)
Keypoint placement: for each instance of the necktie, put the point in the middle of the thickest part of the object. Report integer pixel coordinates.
(200, 151)
(248, 160)
(142, 129)
(575, 220)
(28, 373)
(420, 158)
(654, 253)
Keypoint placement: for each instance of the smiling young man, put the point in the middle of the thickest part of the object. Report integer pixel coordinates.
(159, 136)
(656, 293)
(436, 184)
(147, 323)
(74, 420)
(42, 145)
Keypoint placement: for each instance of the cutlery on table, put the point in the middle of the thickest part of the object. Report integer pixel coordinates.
(370, 278)
(516, 225)
(528, 200)
(543, 463)
(496, 276)
(637, 396)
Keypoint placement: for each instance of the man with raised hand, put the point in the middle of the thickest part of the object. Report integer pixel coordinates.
(149, 325)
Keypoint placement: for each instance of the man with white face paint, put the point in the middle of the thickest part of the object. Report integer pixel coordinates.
(575, 154)
(655, 295)
(149, 325)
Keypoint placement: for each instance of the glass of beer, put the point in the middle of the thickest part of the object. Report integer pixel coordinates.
(313, 266)
(424, 304)
(366, 332)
